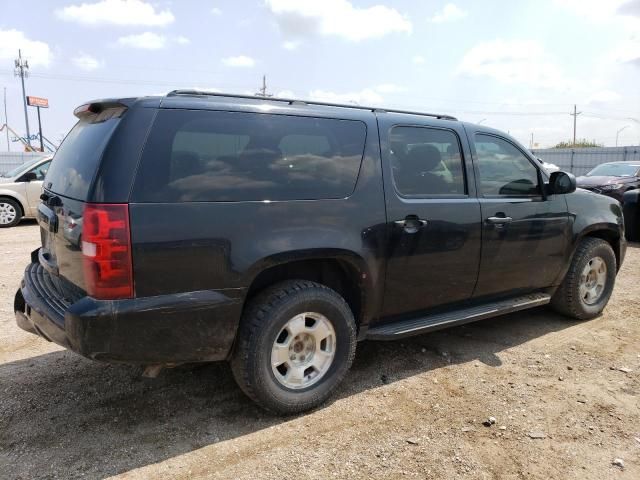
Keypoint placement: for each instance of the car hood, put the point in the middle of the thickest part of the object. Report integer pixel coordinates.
(5, 180)
(598, 180)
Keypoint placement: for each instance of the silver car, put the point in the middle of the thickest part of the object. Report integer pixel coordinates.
(20, 191)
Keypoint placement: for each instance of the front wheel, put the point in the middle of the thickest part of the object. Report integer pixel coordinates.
(588, 285)
(10, 213)
(296, 341)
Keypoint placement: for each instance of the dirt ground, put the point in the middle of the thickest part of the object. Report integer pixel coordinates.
(411, 409)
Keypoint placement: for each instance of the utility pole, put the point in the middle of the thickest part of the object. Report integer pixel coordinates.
(6, 119)
(574, 115)
(531, 142)
(263, 90)
(22, 71)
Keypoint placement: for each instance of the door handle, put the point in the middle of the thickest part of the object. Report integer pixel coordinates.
(499, 220)
(411, 223)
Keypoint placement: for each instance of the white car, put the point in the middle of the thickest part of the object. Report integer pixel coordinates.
(20, 191)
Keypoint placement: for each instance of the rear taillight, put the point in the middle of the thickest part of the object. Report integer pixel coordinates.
(106, 251)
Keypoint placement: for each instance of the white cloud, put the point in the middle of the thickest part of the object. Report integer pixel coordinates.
(599, 11)
(151, 41)
(239, 61)
(86, 62)
(418, 60)
(389, 88)
(286, 94)
(36, 52)
(514, 62)
(449, 13)
(338, 18)
(146, 41)
(627, 51)
(216, 11)
(291, 45)
(604, 96)
(116, 12)
(367, 96)
(630, 8)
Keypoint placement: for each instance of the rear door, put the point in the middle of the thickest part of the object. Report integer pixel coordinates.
(524, 231)
(433, 215)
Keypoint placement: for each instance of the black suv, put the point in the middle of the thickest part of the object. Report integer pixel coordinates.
(277, 233)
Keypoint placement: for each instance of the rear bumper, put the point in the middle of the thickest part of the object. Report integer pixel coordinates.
(167, 329)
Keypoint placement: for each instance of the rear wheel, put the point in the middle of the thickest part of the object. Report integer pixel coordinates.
(295, 344)
(10, 212)
(588, 285)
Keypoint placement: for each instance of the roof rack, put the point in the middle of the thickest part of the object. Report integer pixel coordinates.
(292, 101)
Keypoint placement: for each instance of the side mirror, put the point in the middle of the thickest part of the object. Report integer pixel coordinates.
(28, 177)
(561, 183)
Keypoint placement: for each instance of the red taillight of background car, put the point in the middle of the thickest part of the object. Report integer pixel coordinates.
(106, 250)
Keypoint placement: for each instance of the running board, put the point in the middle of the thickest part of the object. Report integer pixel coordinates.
(416, 326)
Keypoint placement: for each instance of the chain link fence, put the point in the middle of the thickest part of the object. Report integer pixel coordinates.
(581, 160)
(11, 160)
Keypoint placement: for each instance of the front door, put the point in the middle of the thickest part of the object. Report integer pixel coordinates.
(433, 215)
(34, 187)
(524, 231)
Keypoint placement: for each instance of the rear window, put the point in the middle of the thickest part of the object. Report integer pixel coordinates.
(231, 156)
(78, 158)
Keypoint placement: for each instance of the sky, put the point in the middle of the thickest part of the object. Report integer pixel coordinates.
(519, 66)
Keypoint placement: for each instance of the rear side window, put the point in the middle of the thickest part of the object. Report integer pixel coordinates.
(231, 156)
(77, 160)
(426, 161)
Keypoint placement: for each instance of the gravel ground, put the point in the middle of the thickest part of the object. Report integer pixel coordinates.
(406, 410)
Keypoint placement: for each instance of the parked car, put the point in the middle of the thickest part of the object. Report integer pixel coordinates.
(612, 179)
(275, 234)
(20, 191)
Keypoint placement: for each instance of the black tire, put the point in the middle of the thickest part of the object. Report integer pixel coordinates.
(567, 299)
(263, 320)
(18, 212)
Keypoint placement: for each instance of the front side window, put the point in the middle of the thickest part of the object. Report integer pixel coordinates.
(41, 170)
(194, 156)
(426, 161)
(503, 169)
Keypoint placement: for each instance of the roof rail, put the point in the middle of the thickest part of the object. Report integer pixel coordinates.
(293, 101)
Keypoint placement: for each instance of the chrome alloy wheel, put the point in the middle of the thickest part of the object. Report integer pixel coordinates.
(593, 280)
(303, 350)
(7, 213)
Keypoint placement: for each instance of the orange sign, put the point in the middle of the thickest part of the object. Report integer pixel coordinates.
(38, 102)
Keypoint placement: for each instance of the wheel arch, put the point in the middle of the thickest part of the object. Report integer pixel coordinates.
(343, 271)
(609, 234)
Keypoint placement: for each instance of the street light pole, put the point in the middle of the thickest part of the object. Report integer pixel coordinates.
(22, 70)
(6, 119)
(618, 133)
(481, 121)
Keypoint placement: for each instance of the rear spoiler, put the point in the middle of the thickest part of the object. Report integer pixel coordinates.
(101, 110)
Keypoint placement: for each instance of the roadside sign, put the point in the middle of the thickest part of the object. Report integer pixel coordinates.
(37, 102)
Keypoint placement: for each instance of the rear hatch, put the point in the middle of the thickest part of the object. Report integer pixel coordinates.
(67, 220)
